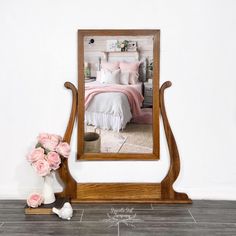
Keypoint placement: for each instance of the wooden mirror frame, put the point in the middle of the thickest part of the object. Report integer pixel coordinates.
(123, 192)
(81, 84)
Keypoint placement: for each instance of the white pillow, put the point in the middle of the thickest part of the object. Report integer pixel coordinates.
(110, 77)
(98, 78)
(124, 77)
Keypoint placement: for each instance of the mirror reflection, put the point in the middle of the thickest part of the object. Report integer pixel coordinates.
(118, 94)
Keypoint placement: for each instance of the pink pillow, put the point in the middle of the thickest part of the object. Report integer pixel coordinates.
(110, 65)
(124, 77)
(98, 78)
(133, 77)
(130, 66)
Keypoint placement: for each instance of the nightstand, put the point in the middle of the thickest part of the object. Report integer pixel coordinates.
(147, 95)
(92, 79)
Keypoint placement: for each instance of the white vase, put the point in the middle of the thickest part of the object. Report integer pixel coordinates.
(48, 193)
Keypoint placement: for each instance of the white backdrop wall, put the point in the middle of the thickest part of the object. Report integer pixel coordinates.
(38, 54)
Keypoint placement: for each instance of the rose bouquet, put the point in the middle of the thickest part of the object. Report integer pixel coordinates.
(48, 153)
(46, 157)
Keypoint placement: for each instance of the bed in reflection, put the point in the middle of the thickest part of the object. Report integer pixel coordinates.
(112, 106)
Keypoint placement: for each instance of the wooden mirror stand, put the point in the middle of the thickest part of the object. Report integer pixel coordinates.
(124, 192)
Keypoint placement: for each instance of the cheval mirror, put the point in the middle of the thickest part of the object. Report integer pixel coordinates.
(117, 105)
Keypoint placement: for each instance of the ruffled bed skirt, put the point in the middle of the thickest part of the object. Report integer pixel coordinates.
(106, 121)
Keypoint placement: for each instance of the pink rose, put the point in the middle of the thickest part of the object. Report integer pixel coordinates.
(34, 200)
(41, 167)
(49, 141)
(54, 160)
(42, 138)
(35, 155)
(57, 137)
(63, 149)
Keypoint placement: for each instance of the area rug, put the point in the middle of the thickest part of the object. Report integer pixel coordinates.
(135, 138)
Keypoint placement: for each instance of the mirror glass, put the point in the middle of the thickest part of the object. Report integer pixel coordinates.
(118, 93)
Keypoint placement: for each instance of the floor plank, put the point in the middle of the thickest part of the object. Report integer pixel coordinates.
(214, 215)
(68, 228)
(177, 229)
(108, 206)
(181, 215)
(170, 206)
(198, 204)
(213, 204)
(11, 215)
(12, 204)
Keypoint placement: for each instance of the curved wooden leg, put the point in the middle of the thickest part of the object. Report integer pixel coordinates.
(63, 174)
(167, 191)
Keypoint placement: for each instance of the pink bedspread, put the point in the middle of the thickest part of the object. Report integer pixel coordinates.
(134, 97)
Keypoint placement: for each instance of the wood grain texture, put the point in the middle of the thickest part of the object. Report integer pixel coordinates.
(63, 174)
(108, 206)
(130, 201)
(156, 60)
(17, 215)
(153, 228)
(118, 191)
(155, 94)
(60, 228)
(45, 209)
(117, 156)
(167, 191)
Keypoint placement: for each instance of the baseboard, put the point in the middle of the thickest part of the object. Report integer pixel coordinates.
(210, 193)
(19, 194)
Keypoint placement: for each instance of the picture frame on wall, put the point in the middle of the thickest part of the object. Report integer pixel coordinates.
(132, 46)
(112, 45)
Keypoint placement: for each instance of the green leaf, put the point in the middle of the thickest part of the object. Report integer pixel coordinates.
(38, 145)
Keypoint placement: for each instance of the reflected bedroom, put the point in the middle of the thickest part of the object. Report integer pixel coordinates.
(118, 72)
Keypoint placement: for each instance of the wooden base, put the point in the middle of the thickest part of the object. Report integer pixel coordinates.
(144, 201)
(45, 209)
(123, 193)
(118, 192)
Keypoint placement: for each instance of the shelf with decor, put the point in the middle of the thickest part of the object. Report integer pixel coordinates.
(123, 53)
